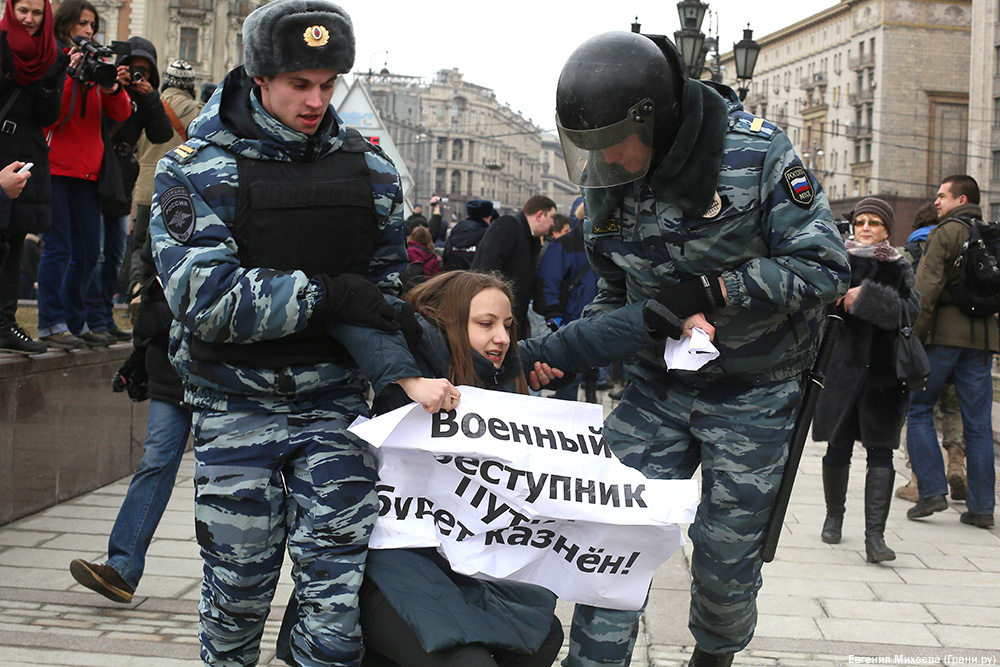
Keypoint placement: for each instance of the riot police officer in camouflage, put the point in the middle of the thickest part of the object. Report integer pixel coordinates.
(697, 204)
(271, 226)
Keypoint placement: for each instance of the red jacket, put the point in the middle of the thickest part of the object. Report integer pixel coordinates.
(77, 149)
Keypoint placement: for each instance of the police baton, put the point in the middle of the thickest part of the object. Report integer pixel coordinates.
(814, 384)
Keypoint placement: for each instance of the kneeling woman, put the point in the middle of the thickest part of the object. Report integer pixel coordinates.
(415, 611)
(862, 399)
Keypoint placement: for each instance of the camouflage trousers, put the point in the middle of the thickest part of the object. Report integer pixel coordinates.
(264, 478)
(739, 436)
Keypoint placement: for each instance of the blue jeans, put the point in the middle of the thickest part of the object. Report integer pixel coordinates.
(104, 283)
(166, 435)
(969, 371)
(69, 253)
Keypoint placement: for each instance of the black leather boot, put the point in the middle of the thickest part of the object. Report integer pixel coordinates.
(702, 658)
(835, 492)
(878, 495)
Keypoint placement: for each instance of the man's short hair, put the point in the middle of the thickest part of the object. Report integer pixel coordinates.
(559, 222)
(963, 184)
(537, 203)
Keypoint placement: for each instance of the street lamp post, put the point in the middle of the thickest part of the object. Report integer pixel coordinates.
(745, 54)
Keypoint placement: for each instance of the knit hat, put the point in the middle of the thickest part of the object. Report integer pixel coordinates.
(179, 75)
(295, 35)
(878, 207)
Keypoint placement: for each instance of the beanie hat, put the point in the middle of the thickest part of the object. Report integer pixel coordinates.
(878, 207)
(179, 75)
(294, 35)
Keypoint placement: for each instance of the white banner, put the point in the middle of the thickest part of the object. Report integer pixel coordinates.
(525, 488)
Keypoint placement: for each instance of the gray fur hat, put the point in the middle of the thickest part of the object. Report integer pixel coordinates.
(294, 35)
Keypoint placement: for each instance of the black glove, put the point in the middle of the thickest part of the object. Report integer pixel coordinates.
(132, 376)
(355, 299)
(407, 318)
(664, 316)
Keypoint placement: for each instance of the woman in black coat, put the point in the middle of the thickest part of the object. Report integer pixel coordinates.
(862, 399)
(31, 85)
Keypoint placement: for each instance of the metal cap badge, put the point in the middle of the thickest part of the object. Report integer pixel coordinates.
(316, 35)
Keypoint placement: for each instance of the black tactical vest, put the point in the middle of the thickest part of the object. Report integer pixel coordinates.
(317, 217)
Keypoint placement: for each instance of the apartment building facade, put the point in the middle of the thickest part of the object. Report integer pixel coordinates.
(874, 96)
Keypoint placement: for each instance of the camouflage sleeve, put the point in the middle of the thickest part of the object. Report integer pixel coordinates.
(807, 264)
(389, 258)
(198, 261)
(611, 288)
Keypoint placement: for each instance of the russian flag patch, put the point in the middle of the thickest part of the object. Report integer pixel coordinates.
(798, 187)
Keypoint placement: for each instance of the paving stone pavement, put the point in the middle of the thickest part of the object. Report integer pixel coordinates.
(821, 605)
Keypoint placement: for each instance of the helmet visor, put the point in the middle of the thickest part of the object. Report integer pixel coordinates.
(612, 155)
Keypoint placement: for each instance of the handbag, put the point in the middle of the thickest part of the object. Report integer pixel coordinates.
(912, 366)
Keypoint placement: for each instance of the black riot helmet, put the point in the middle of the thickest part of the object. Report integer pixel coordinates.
(617, 104)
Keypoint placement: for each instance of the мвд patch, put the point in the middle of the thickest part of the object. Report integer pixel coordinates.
(178, 213)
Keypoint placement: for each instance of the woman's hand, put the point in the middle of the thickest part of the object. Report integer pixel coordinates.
(542, 374)
(12, 182)
(125, 79)
(435, 394)
(848, 299)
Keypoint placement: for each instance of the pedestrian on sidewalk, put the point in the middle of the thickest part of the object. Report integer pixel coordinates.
(862, 399)
(272, 225)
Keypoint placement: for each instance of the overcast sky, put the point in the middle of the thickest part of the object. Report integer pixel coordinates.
(518, 47)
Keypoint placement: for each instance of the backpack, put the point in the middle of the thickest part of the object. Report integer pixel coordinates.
(411, 276)
(977, 290)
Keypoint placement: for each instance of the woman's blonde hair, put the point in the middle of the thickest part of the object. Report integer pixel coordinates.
(444, 302)
(421, 235)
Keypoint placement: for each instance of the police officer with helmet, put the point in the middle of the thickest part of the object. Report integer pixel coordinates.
(273, 227)
(707, 210)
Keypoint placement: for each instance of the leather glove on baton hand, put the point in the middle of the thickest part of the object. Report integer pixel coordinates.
(355, 299)
(664, 315)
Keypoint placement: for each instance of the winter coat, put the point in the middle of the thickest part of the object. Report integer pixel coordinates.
(462, 244)
(75, 137)
(187, 109)
(861, 399)
(418, 254)
(37, 105)
(147, 119)
(445, 609)
(940, 321)
(562, 262)
(509, 247)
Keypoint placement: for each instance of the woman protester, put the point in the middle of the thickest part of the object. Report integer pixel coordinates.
(862, 399)
(31, 85)
(416, 611)
(424, 262)
(71, 247)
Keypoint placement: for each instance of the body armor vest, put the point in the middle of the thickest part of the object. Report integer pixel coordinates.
(318, 217)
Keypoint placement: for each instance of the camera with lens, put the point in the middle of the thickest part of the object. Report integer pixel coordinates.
(92, 67)
(137, 74)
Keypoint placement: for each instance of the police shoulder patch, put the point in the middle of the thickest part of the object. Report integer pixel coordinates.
(609, 226)
(178, 213)
(797, 185)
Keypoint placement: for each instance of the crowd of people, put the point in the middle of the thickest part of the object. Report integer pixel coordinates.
(268, 310)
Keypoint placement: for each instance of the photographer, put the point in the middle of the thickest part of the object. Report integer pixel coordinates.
(137, 72)
(70, 248)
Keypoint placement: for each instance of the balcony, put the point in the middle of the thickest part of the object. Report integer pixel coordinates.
(862, 96)
(780, 116)
(862, 61)
(189, 5)
(818, 79)
(855, 132)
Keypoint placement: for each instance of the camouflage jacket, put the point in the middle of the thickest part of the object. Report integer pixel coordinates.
(730, 198)
(216, 299)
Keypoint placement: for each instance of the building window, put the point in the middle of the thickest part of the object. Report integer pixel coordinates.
(189, 44)
(996, 166)
(994, 211)
(457, 150)
(996, 112)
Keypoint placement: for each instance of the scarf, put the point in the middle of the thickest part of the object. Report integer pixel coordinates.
(32, 55)
(881, 251)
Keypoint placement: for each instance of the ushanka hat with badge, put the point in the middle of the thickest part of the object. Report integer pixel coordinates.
(294, 35)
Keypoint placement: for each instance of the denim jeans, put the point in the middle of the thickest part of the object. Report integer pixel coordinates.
(969, 371)
(69, 253)
(166, 435)
(104, 283)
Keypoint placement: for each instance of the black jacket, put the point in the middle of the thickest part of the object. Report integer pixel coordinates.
(36, 106)
(148, 115)
(462, 244)
(861, 399)
(510, 248)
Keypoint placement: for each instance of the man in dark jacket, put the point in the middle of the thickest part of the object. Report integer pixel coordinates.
(416, 219)
(463, 242)
(137, 73)
(511, 246)
(960, 348)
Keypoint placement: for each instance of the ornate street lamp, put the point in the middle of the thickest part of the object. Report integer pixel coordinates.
(745, 53)
(691, 13)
